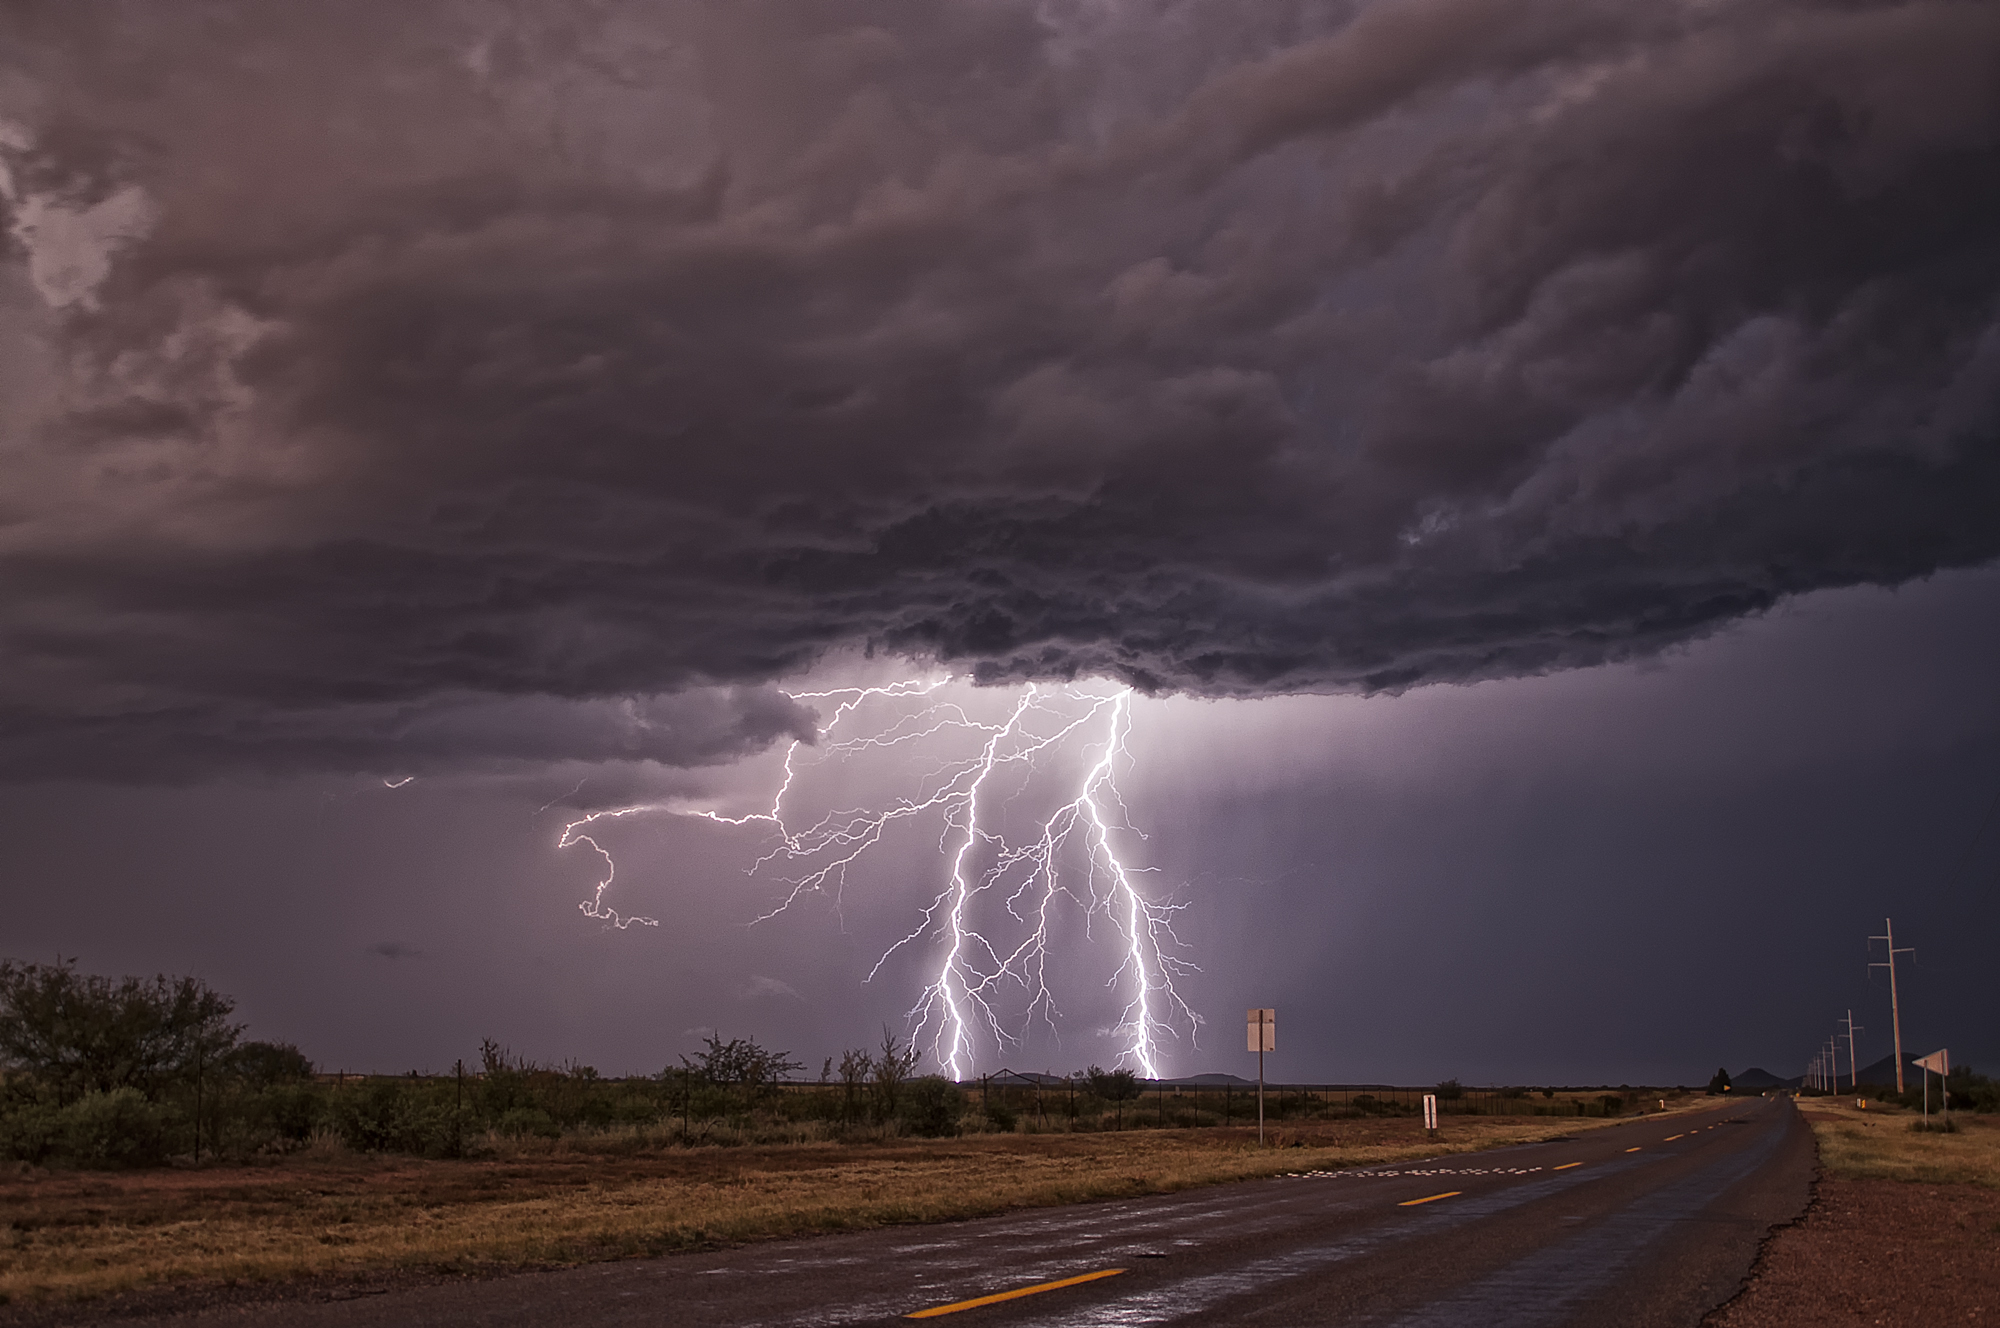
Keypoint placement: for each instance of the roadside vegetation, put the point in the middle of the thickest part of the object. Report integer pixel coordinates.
(124, 1073)
(1877, 1142)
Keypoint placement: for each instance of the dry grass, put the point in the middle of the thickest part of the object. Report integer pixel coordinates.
(77, 1235)
(1876, 1142)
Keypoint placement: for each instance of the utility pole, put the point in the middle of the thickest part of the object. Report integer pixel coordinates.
(1853, 1075)
(1888, 938)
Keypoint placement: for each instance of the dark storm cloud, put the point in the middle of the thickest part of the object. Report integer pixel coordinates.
(401, 394)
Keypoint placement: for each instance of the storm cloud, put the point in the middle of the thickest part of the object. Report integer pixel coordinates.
(536, 382)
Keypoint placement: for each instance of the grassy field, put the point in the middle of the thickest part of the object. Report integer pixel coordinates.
(1877, 1143)
(72, 1235)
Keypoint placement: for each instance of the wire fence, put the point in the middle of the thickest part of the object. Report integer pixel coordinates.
(1163, 1104)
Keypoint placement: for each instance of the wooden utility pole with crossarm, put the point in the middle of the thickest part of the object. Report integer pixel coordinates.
(1895, 1011)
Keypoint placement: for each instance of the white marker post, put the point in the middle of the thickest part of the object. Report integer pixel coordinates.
(1431, 1113)
(1263, 1033)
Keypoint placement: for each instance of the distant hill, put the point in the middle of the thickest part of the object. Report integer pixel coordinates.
(1019, 1078)
(1197, 1080)
(1880, 1074)
(1883, 1072)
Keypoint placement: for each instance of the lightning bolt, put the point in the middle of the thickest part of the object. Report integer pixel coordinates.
(1070, 859)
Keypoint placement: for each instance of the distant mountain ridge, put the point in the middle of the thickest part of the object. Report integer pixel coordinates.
(1876, 1074)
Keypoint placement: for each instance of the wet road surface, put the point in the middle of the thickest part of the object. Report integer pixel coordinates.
(1653, 1222)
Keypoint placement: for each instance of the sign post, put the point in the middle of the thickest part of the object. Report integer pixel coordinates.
(1940, 1062)
(1431, 1114)
(1263, 1033)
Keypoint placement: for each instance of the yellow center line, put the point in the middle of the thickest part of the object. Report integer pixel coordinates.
(1631, 1150)
(1429, 1198)
(1567, 1165)
(1670, 1138)
(1015, 1294)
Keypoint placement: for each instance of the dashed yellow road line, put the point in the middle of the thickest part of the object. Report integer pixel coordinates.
(1631, 1150)
(1429, 1198)
(1670, 1138)
(1567, 1165)
(1015, 1294)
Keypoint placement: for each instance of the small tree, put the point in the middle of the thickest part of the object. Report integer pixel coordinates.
(78, 1033)
(892, 1069)
(856, 1068)
(1719, 1084)
(1114, 1086)
(264, 1064)
(933, 1106)
(740, 1062)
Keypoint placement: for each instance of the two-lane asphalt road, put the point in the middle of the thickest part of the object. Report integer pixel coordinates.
(1653, 1222)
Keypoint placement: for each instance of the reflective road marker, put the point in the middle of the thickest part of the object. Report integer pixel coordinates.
(1015, 1294)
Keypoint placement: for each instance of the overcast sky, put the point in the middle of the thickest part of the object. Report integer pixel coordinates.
(1537, 464)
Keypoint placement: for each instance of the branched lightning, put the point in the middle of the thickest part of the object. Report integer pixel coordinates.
(1070, 859)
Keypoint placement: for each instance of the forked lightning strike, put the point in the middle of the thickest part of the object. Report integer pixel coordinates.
(1071, 858)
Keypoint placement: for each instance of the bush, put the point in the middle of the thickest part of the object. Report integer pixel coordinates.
(30, 1133)
(931, 1106)
(265, 1064)
(115, 1129)
(528, 1120)
(288, 1111)
(1973, 1092)
(1449, 1091)
(385, 1116)
(1001, 1116)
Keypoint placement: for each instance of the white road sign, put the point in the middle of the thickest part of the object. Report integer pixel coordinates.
(1263, 1030)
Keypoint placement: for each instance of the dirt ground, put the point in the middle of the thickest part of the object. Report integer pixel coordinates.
(1879, 1252)
(1903, 1229)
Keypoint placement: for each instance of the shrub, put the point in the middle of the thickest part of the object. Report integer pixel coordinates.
(1001, 1116)
(1449, 1091)
(383, 1115)
(931, 1106)
(116, 1129)
(30, 1133)
(528, 1120)
(264, 1064)
(1973, 1092)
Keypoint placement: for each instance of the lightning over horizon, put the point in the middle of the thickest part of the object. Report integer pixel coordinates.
(997, 912)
